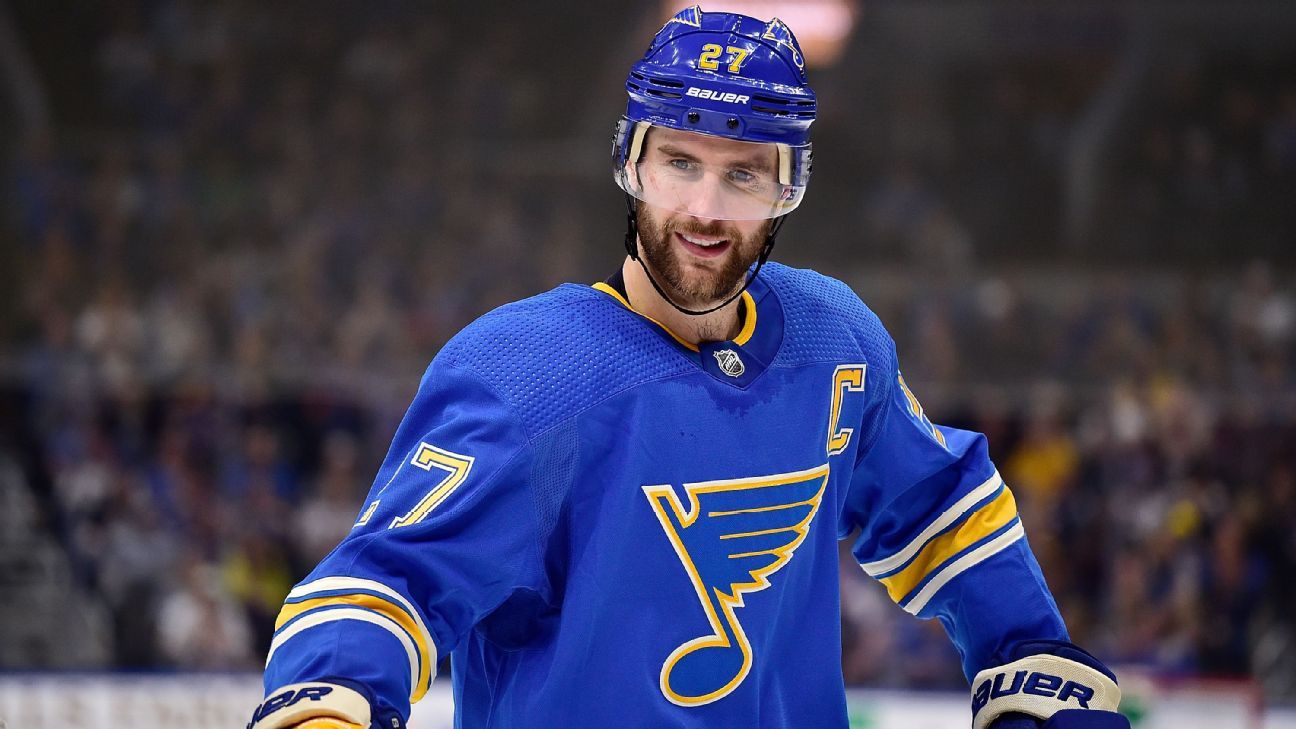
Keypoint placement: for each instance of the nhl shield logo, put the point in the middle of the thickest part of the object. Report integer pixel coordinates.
(730, 363)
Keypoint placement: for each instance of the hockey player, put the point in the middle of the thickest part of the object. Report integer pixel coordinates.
(619, 505)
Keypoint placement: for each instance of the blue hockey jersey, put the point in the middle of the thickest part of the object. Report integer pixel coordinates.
(604, 525)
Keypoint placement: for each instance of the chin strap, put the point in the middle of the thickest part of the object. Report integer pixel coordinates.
(632, 249)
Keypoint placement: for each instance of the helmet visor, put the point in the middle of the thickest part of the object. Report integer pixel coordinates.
(706, 176)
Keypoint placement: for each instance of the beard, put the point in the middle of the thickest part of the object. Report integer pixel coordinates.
(689, 283)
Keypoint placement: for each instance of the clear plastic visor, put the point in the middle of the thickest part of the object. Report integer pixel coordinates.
(706, 176)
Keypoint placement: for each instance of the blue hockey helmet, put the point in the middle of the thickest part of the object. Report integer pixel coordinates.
(724, 75)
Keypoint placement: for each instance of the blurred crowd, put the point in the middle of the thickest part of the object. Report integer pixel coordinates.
(982, 163)
(229, 281)
(1149, 445)
(283, 190)
(1210, 160)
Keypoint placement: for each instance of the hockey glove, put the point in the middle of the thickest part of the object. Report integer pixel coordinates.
(1047, 684)
(1065, 719)
(327, 724)
(335, 704)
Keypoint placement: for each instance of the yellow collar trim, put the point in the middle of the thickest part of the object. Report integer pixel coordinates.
(749, 321)
(749, 324)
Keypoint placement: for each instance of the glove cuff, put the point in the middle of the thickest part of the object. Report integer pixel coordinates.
(1040, 686)
(291, 705)
(327, 723)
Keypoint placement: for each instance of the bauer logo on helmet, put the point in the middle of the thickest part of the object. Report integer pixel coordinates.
(725, 96)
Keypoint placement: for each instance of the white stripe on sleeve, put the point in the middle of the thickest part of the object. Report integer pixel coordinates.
(967, 561)
(942, 522)
(321, 617)
(328, 584)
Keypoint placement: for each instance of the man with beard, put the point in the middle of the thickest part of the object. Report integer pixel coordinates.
(619, 505)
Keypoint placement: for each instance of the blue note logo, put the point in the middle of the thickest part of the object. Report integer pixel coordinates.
(734, 535)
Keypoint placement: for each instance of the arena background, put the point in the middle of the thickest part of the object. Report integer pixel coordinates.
(235, 232)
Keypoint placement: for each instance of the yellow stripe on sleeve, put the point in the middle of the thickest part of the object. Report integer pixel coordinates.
(382, 607)
(979, 525)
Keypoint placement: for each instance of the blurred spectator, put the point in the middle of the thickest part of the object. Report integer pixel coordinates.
(258, 577)
(1045, 459)
(326, 517)
(199, 626)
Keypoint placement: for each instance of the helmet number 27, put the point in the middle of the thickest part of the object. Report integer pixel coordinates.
(711, 52)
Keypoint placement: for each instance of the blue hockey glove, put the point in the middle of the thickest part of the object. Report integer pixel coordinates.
(1047, 685)
(333, 703)
(1065, 719)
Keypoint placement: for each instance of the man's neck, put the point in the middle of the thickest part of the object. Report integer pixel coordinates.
(719, 325)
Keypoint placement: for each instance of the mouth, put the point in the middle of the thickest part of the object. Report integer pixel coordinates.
(703, 246)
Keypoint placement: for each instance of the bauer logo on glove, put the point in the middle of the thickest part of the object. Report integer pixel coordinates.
(1041, 686)
(300, 702)
(1033, 683)
(290, 697)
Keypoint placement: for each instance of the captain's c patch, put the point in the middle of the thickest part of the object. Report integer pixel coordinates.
(846, 378)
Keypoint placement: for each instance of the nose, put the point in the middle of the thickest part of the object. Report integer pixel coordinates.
(707, 200)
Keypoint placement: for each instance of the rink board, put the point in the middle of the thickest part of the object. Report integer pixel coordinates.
(222, 701)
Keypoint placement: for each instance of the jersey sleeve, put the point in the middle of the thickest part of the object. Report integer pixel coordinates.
(940, 530)
(446, 535)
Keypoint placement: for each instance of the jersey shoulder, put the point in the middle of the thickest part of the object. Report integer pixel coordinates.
(825, 320)
(553, 355)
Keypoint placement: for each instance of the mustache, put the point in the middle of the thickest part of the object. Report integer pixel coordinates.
(716, 229)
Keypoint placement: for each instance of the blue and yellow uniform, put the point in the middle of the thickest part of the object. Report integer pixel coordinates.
(603, 525)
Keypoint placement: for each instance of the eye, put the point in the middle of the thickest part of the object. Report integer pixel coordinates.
(742, 176)
(680, 164)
